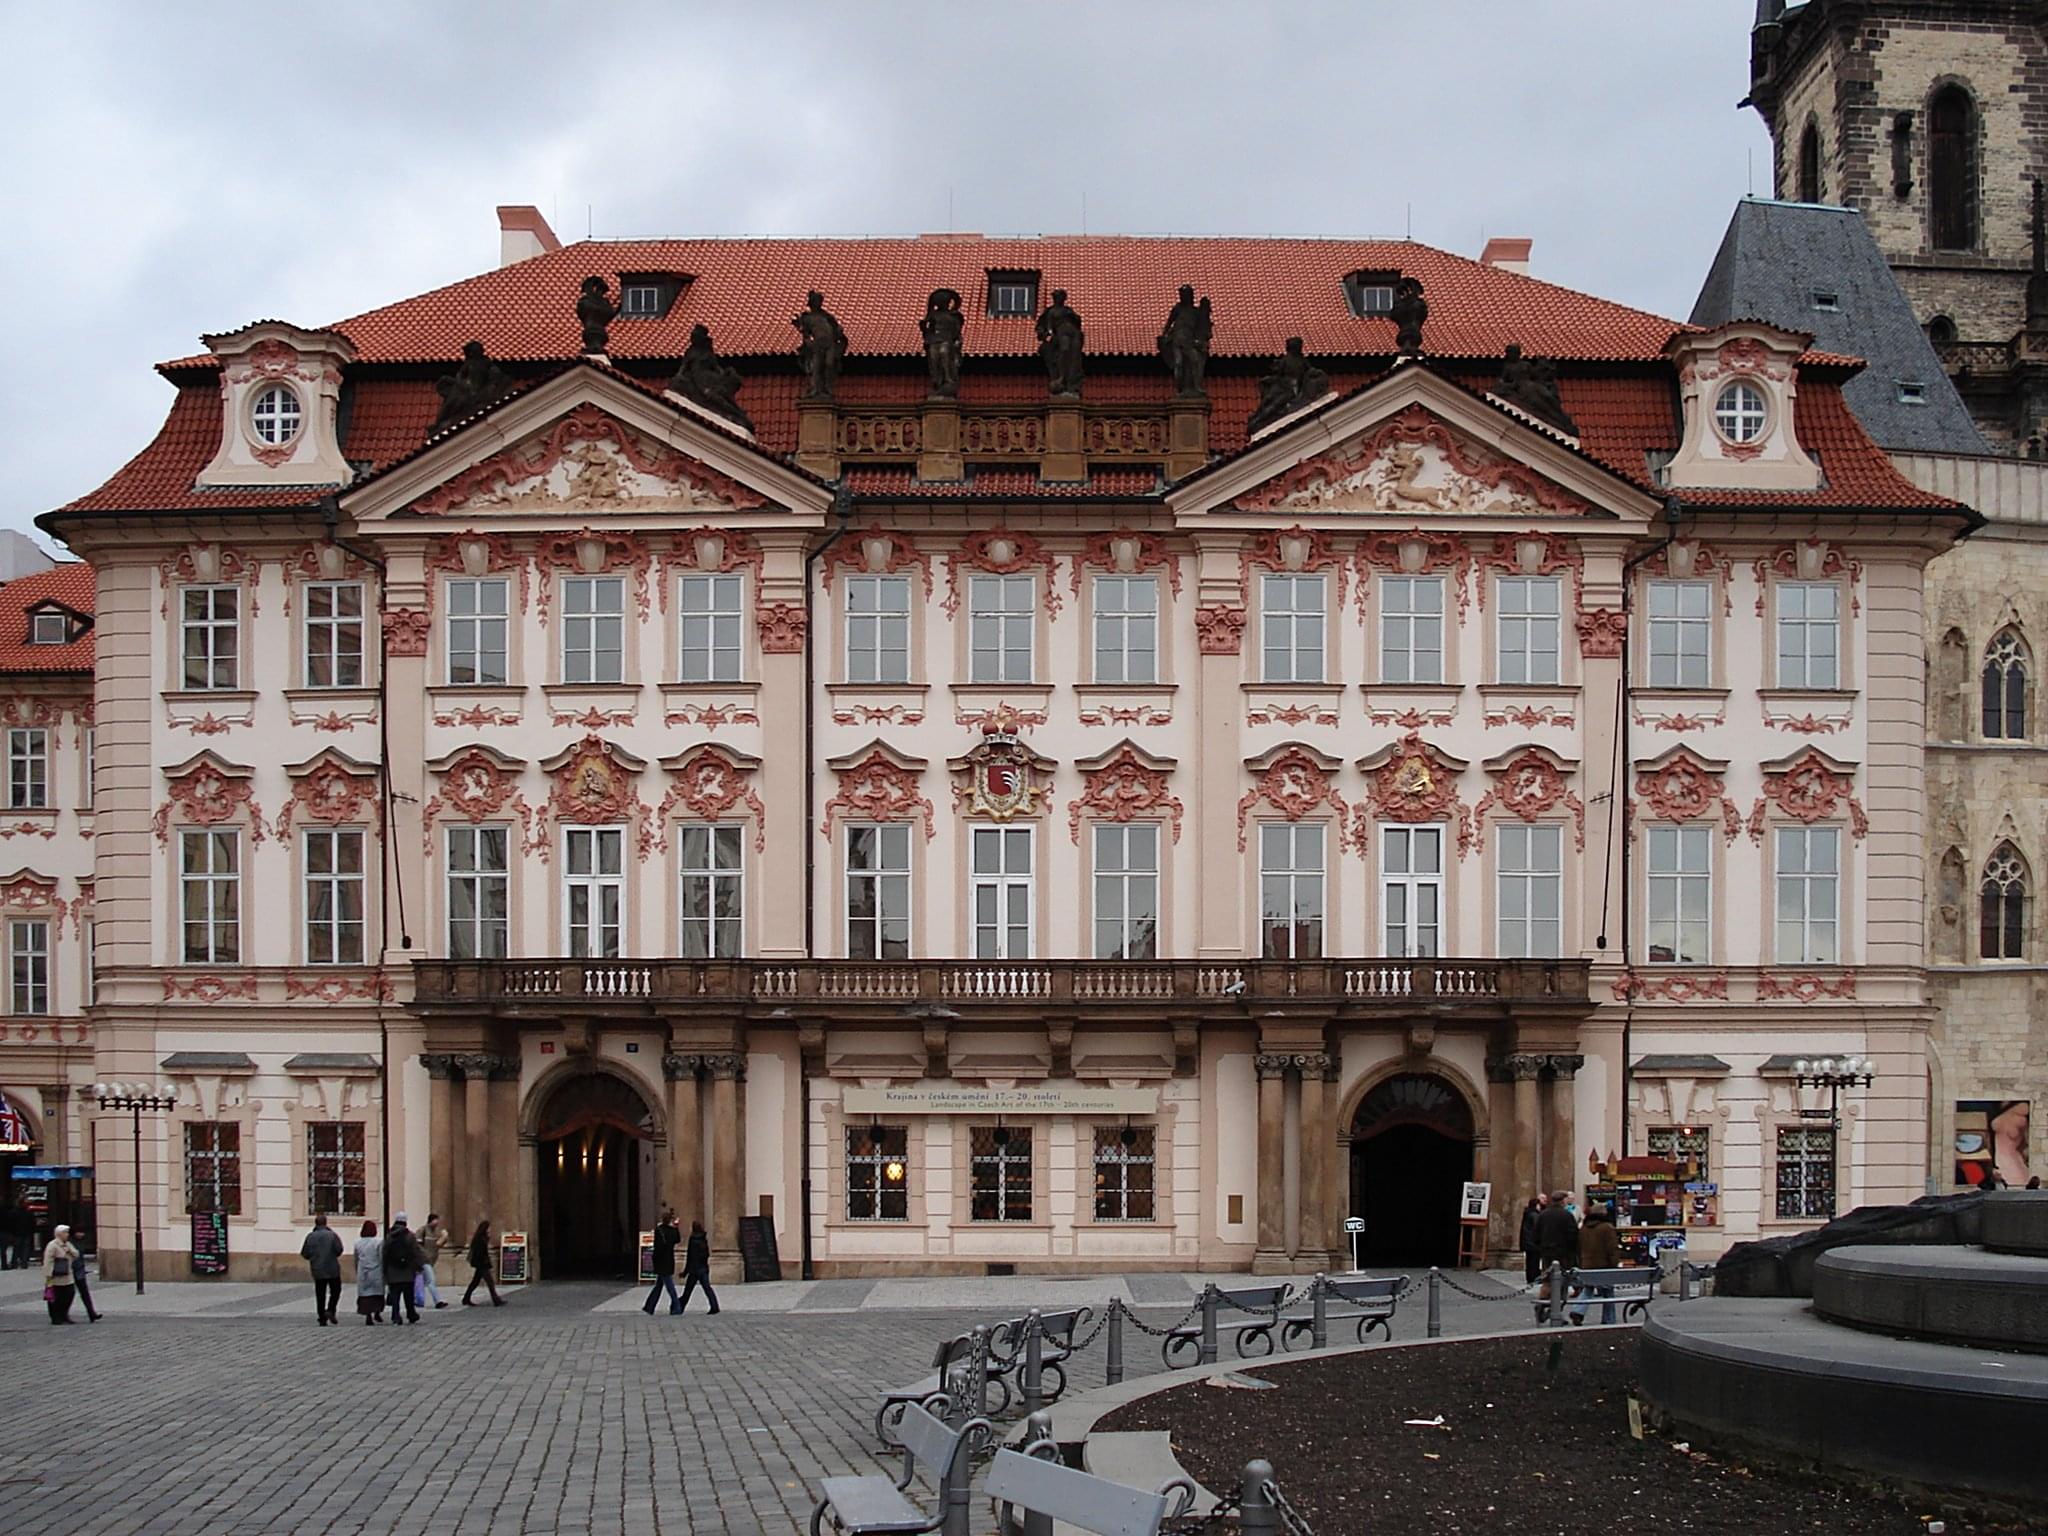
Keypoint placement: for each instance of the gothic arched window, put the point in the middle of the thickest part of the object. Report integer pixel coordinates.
(1809, 164)
(2005, 688)
(1952, 169)
(2002, 905)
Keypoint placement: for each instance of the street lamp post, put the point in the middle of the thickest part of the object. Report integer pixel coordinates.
(1834, 1073)
(135, 1098)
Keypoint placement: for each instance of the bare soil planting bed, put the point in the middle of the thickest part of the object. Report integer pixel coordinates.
(1520, 1450)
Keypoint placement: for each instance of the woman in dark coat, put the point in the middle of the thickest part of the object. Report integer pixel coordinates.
(480, 1266)
(1528, 1244)
(697, 1269)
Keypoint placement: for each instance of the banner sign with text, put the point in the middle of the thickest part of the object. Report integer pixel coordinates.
(965, 1099)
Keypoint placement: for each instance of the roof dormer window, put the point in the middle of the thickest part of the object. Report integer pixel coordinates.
(648, 295)
(1912, 392)
(49, 626)
(1738, 388)
(1740, 413)
(1370, 293)
(276, 415)
(1012, 295)
(280, 392)
(1827, 299)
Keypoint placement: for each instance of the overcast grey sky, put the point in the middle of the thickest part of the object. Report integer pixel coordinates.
(177, 168)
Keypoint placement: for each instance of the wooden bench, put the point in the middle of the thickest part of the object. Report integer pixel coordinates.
(1007, 1345)
(872, 1504)
(952, 1368)
(1368, 1304)
(1051, 1490)
(1632, 1290)
(1257, 1298)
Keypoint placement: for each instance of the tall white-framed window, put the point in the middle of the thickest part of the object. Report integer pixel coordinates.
(1529, 866)
(28, 959)
(593, 629)
(89, 743)
(334, 895)
(28, 768)
(594, 891)
(878, 891)
(1809, 877)
(1412, 890)
(335, 1184)
(1126, 629)
(710, 855)
(210, 897)
(709, 608)
(1681, 633)
(999, 891)
(1679, 893)
(1291, 903)
(1527, 636)
(1292, 608)
(209, 631)
(477, 626)
(878, 629)
(999, 1171)
(479, 892)
(1002, 615)
(1127, 890)
(334, 634)
(1809, 634)
(1411, 629)
(1126, 1160)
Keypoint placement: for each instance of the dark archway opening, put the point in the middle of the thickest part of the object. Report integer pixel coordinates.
(593, 1183)
(1411, 1153)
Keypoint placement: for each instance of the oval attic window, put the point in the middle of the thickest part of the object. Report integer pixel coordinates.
(1739, 413)
(276, 415)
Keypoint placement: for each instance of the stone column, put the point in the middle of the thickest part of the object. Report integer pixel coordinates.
(476, 1142)
(1527, 1138)
(727, 1174)
(1563, 1140)
(502, 1146)
(1271, 1255)
(1336, 1169)
(685, 1188)
(443, 1108)
(1314, 1217)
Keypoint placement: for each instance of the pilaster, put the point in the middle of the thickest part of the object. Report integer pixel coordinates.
(684, 1191)
(728, 1175)
(1270, 1258)
(1066, 445)
(938, 442)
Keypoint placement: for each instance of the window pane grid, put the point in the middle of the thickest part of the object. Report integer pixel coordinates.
(878, 629)
(1411, 891)
(334, 634)
(999, 892)
(209, 879)
(1126, 629)
(479, 892)
(1680, 634)
(335, 1167)
(1528, 633)
(594, 891)
(593, 629)
(334, 897)
(1412, 629)
(1679, 893)
(28, 955)
(878, 892)
(28, 769)
(1809, 875)
(477, 629)
(1530, 875)
(999, 1161)
(209, 626)
(1127, 892)
(1809, 635)
(1124, 1174)
(877, 1173)
(712, 890)
(1291, 611)
(709, 610)
(1806, 1172)
(1001, 616)
(213, 1166)
(1291, 891)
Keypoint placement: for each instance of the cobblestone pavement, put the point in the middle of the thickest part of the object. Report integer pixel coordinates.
(196, 1410)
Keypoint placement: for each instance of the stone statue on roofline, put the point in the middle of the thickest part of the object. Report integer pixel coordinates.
(822, 351)
(1292, 382)
(1409, 310)
(1185, 344)
(944, 321)
(703, 379)
(596, 310)
(1060, 340)
(475, 383)
(1530, 384)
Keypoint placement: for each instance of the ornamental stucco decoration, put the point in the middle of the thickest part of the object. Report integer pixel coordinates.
(1415, 784)
(1529, 786)
(1808, 790)
(1123, 789)
(1002, 552)
(1295, 549)
(592, 786)
(1125, 552)
(1811, 560)
(480, 554)
(878, 789)
(1602, 631)
(375, 987)
(208, 565)
(782, 627)
(1294, 784)
(332, 794)
(1653, 986)
(406, 631)
(476, 788)
(876, 552)
(1690, 559)
(205, 796)
(712, 551)
(1534, 553)
(588, 552)
(1683, 788)
(1416, 553)
(708, 785)
(30, 892)
(208, 988)
(1804, 988)
(1219, 628)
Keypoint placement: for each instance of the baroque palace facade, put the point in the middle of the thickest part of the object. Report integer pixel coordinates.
(1014, 772)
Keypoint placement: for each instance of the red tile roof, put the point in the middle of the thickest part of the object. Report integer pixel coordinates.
(70, 584)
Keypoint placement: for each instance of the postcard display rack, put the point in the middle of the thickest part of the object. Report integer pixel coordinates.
(1655, 1200)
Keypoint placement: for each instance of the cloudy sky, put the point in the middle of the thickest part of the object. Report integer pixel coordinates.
(182, 168)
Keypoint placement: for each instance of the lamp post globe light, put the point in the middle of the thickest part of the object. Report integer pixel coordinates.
(135, 1098)
(1834, 1073)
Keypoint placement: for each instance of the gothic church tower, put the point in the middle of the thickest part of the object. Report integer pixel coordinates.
(1930, 117)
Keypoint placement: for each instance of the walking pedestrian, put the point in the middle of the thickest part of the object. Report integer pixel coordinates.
(322, 1252)
(667, 1238)
(58, 1278)
(1529, 1214)
(1599, 1248)
(480, 1265)
(78, 1269)
(697, 1269)
(16, 1229)
(401, 1268)
(433, 1237)
(1557, 1242)
(370, 1275)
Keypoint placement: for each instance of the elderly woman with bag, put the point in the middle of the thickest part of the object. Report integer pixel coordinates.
(370, 1274)
(60, 1261)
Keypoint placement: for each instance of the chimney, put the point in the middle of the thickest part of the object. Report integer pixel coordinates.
(523, 234)
(1508, 252)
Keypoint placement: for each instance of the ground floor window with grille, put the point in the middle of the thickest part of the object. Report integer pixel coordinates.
(877, 1173)
(213, 1166)
(1124, 1164)
(334, 1167)
(1806, 1172)
(1000, 1159)
(1682, 1144)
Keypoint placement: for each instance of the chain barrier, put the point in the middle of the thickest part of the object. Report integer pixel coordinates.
(1074, 1346)
(1272, 1314)
(1159, 1333)
(1289, 1515)
(1227, 1508)
(1514, 1295)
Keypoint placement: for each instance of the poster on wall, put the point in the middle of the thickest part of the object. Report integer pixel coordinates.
(1991, 1143)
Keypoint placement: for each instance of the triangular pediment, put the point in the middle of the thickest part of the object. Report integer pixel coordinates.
(1414, 446)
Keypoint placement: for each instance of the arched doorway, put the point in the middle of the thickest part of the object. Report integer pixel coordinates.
(595, 1182)
(1411, 1153)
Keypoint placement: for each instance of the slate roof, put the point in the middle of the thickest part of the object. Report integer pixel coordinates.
(1776, 256)
(68, 584)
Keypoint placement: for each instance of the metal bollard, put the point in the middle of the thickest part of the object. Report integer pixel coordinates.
(1436, 1302)
(978, 1368)
(1116, 1342)
(956, 1500)
(1208, 1356)
(1684, 1281)
(1319, 1329)
(1034, 1362)
(1037, 1442)
(1258, 1515)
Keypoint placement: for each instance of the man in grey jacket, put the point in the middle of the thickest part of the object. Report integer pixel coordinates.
(322, 1252)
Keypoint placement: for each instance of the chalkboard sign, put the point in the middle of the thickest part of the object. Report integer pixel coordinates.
(209, 1242)
(758, 1257)
(512, 1258)
(647, 1258)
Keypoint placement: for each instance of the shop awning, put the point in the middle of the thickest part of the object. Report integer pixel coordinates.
(47, 1173)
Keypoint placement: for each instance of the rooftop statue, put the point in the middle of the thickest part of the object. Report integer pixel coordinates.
(1293, 382)
(1531, 384)
(1410, 309)
(596, 309)
(941, 326)
(822, 350)
(1059, 344)
(708, 382)
(1185, 343)
(475, 383)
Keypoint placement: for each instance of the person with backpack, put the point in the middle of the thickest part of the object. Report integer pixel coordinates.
(402, 1264)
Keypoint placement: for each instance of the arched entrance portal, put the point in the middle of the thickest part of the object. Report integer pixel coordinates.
(595, 1183)
(1411, 1152)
